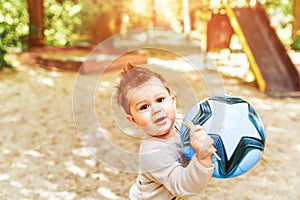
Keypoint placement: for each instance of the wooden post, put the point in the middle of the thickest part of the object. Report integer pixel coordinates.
(296, 20)
(36, 23)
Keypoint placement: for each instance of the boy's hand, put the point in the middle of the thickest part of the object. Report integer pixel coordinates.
(202, 143)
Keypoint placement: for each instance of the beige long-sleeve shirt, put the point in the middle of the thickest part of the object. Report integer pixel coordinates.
(165, 173)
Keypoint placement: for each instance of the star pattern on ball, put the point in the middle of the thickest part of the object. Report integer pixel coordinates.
(232, 125)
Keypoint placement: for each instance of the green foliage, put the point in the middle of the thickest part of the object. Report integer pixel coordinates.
(13, 27)
(281, 15)
(296, 43)
(61, 22)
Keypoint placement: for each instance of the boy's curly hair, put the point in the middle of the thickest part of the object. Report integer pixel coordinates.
(132, 77)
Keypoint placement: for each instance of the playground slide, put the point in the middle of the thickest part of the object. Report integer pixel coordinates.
(274, 71)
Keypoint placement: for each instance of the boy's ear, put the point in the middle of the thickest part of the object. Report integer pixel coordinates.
(173, 98)
(131, 119)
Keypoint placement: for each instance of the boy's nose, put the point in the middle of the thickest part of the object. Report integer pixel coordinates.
(156, 109)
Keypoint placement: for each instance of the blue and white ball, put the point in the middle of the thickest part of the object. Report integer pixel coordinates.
(236, 128)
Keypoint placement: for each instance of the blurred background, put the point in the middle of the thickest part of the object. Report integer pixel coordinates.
(26, 24)
(44, 42)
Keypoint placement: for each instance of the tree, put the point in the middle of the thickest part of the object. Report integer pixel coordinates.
(101, 19)
(186, 17)
(13, 28)
(36, 24)
(296, 20)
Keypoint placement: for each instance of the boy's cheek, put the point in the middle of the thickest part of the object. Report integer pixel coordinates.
(144, 123)
(141, 120)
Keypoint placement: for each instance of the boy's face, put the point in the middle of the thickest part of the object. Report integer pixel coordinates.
(152, 108)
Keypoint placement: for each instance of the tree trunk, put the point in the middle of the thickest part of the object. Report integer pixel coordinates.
(296, 21)
(154, 14)
(186, 17)
(36, 23)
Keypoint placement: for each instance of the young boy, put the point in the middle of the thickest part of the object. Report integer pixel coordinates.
(164, 173)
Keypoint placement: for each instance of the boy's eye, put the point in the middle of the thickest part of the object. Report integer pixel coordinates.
(160, 99)
(144, 107)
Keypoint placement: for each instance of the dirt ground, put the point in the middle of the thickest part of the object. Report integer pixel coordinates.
(44, 157)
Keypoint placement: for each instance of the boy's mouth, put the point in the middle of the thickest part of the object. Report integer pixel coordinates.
(159, 120)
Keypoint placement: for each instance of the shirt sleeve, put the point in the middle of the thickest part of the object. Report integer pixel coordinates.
(165, 168)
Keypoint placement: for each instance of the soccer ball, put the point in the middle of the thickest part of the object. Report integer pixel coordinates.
(236, 128)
